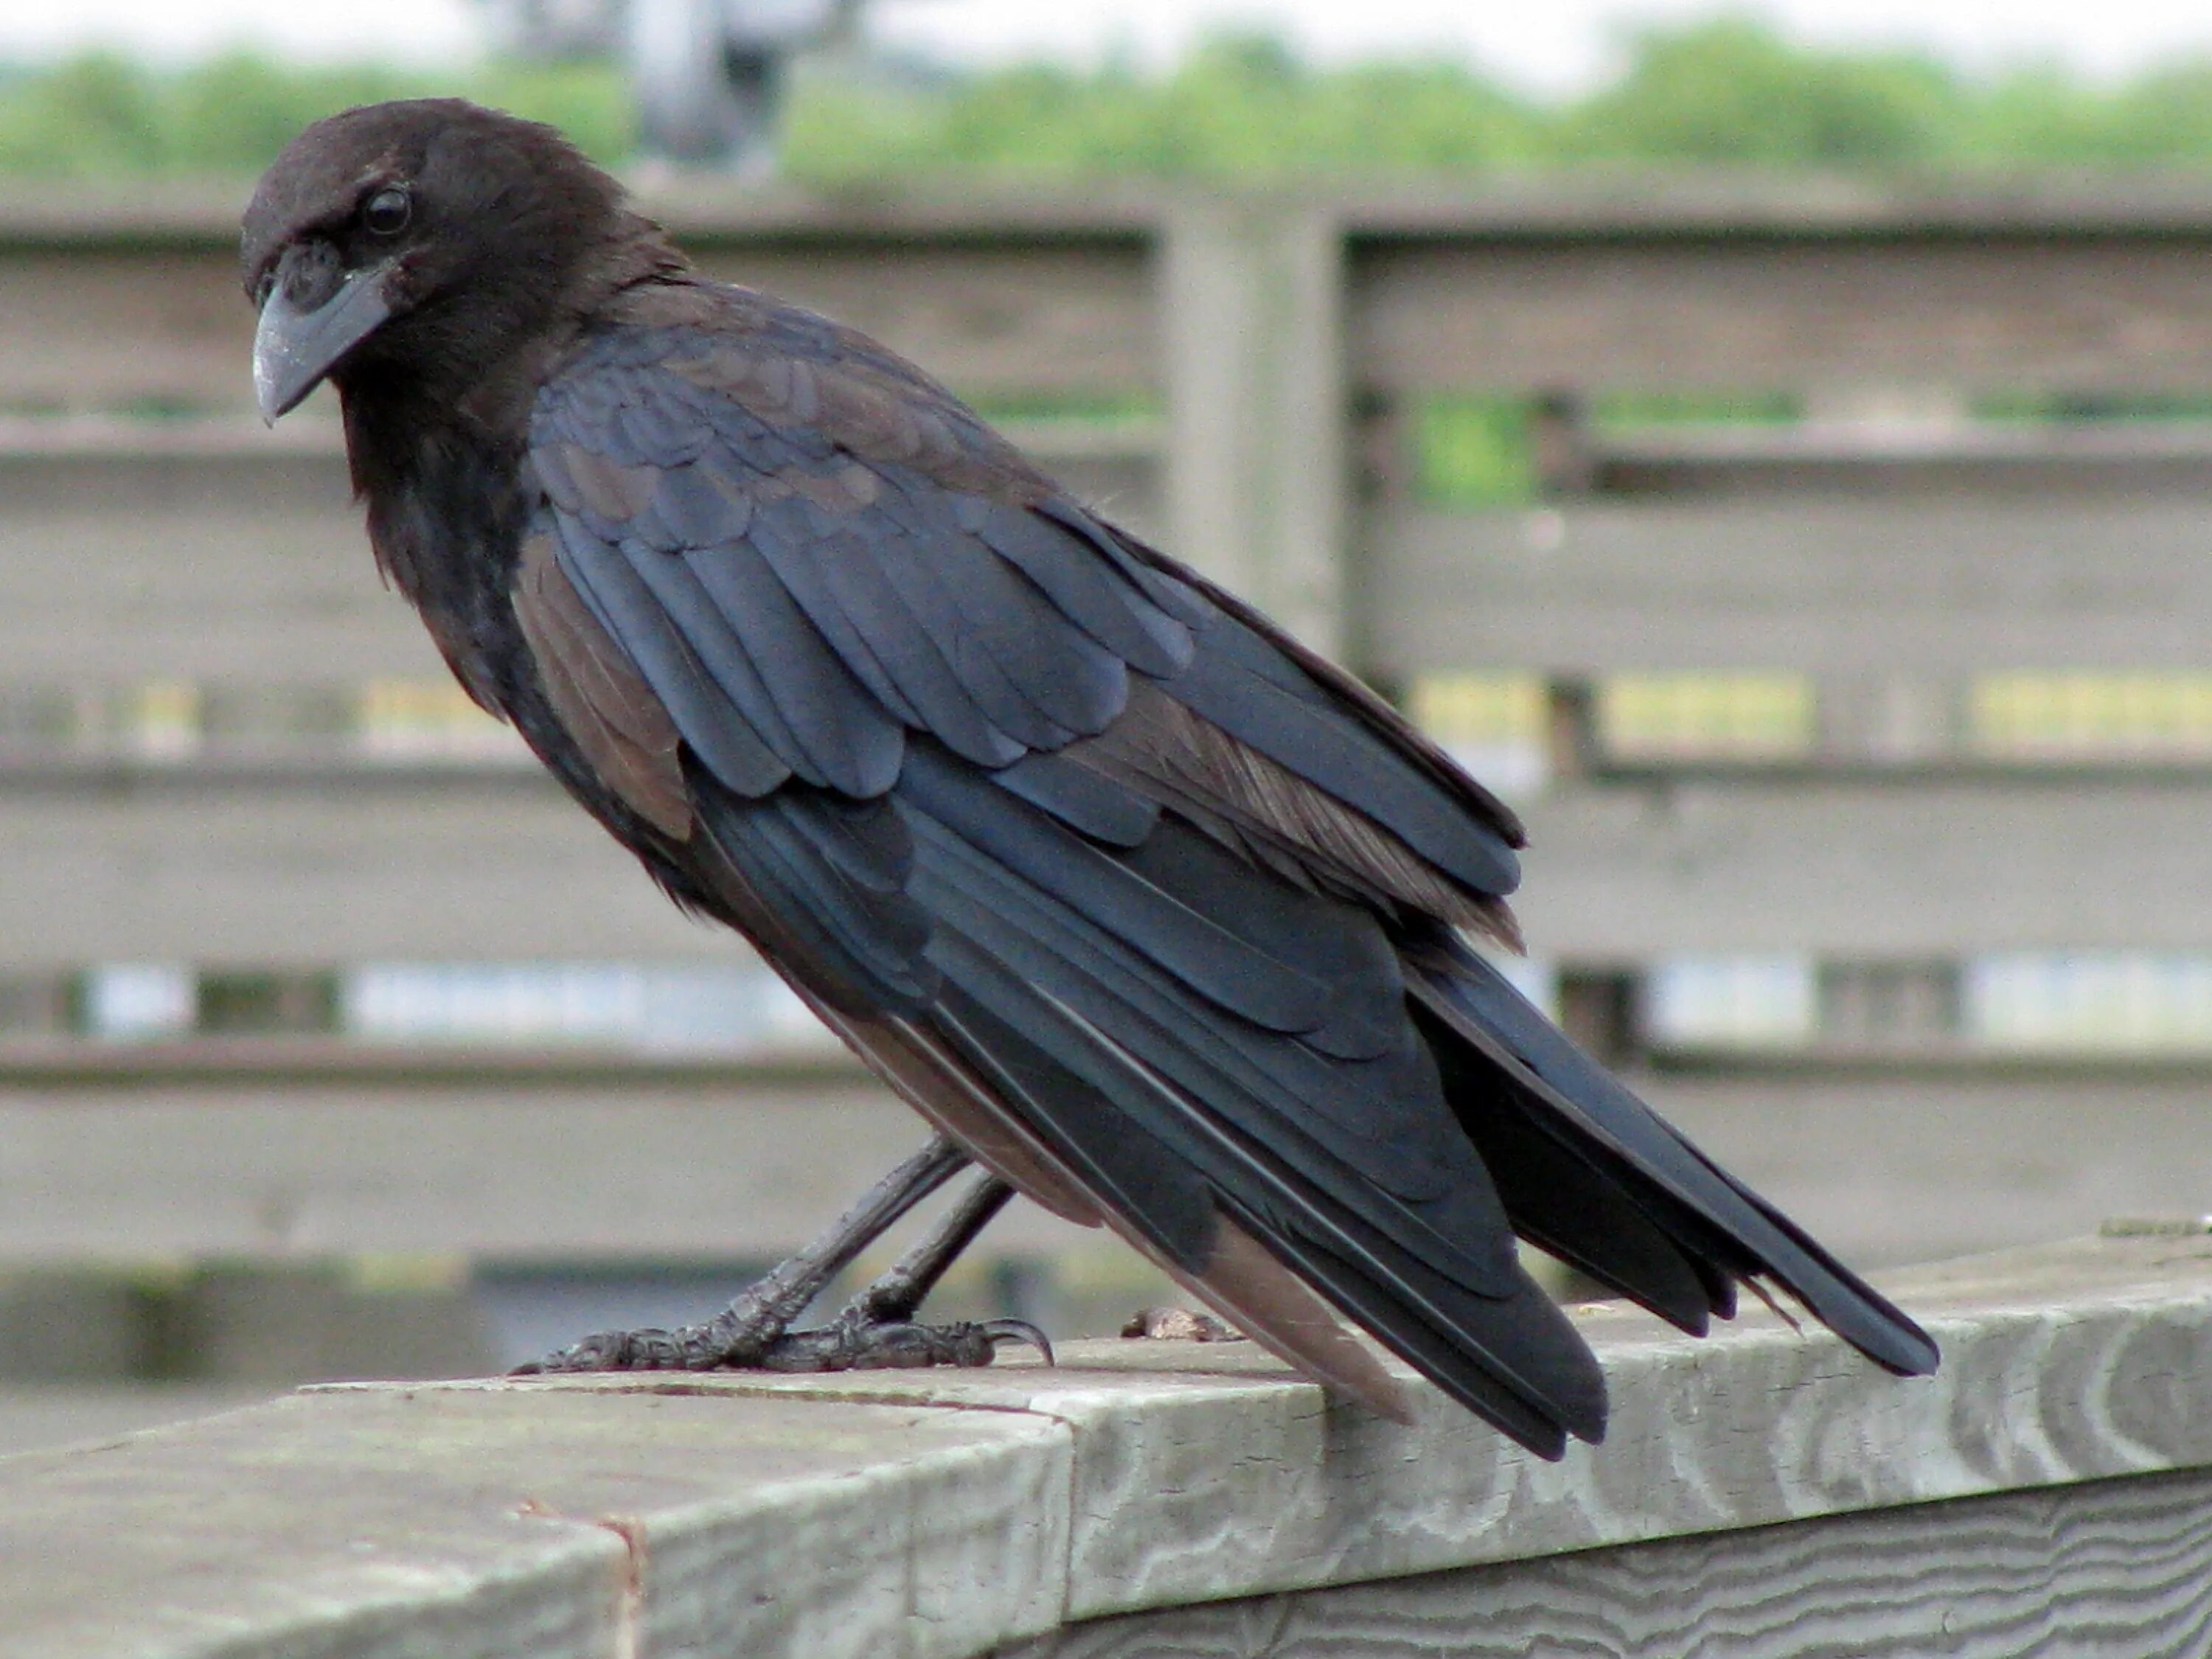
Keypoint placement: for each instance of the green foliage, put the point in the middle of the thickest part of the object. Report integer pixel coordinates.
(1728, 91)
(1733, 90)
(1239, 107)
(1474, 451)
(100, 115)
(1633, 411)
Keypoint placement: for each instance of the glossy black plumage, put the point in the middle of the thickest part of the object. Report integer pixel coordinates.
(1156, 912)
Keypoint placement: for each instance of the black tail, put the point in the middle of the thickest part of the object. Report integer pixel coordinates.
(1590, 1173)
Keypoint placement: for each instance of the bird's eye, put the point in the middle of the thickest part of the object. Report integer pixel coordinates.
(386, 213)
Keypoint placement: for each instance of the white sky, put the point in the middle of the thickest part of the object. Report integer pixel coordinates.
(1548, 43)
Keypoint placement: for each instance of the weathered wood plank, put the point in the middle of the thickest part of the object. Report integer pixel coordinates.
(1818, 586)
(885, 1513)
(516, 1164)
(2108, 1567)
(249, 569)
(2078, 1361)
(1013, 318)
(1741, 311)
(1874, 457)
(417, 866)
(559, 1522)
(1937, 871)
(456, 870)
(1662, 206)
(497, 1171)
(1257, 411)
(1912, 1166)
(37, 1417)
(1674, 204)
(103, 300)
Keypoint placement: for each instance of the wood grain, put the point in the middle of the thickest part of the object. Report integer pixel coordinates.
(2072, 1363)
(149, 863)
(537, 1156)
(1927, 869)
(1745, 311)
(420, 869)
(507, 1171)
(555, 1523)
(935, 1515)
(2116, 1567)
(1814, 584)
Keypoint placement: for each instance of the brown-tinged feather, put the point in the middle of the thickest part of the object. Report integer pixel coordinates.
(917, 1066)
(611, 490)
(1355, 697)
(851, 668)
(869, 401)
(1240, 1280)
(1164, 748)
(1253, 1291)
(934, 1081)
(624, 732)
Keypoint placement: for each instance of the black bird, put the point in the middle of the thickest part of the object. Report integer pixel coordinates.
(1160, 917)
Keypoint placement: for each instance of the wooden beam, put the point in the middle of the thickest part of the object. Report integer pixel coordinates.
(460, 870)
(530, 1158)
(1748, 311)
(425, 866)
(90, 328)
(1621, 874)
(1814, 586)
(2113, 1566)
(1659, 205)
(1251, 347)
(1005, 320)
(622, 1170)
(1917, 1164)
(943, 1514)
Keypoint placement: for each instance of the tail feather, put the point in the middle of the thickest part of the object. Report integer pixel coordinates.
(1630, 1151)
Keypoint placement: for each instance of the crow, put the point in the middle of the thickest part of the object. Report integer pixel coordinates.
(1157, 916)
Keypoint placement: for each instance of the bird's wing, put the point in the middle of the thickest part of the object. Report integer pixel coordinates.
(1074, 852)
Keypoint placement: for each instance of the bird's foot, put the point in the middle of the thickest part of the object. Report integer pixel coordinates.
(686, 1348)
(863, 1337)
(1179, 1325)
(849, 1342)
(853, 1342)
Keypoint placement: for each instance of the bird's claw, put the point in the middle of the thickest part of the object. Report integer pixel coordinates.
(846, 1344)
(647, 1350)
(851, 1345)
(1020, 1331)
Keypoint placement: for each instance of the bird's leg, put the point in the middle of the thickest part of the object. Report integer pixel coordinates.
(899, 1290)
(876, 1328)
(742, 1332)
(749, 1333)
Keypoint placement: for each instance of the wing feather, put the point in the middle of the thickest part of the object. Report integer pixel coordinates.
(614, 715)
(1148, 906)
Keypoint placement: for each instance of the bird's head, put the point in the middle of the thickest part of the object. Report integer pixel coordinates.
(421, 240)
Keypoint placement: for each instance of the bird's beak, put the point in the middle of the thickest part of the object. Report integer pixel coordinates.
(294, 346)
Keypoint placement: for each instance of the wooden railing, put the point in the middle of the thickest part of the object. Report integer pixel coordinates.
(189, 602)
(1767, 1492)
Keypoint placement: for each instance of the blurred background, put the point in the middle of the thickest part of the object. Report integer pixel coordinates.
(1771, 447)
